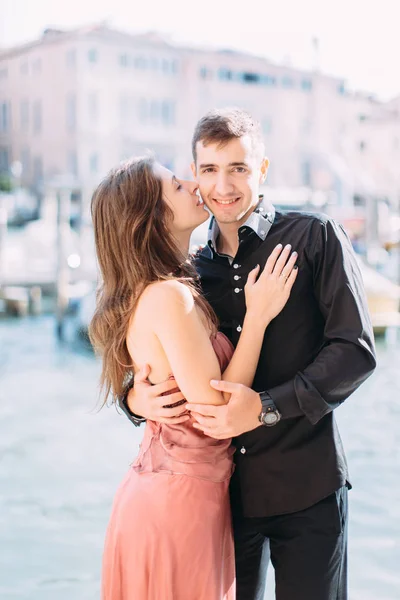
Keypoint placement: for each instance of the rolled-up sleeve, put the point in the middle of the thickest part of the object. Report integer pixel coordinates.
(347, 357)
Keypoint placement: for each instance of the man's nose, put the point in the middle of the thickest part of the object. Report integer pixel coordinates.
(223, 185)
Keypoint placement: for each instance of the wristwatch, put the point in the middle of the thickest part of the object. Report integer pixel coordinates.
(269, 415)
(123, 404)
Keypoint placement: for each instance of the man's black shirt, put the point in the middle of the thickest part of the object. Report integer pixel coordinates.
(315, 353)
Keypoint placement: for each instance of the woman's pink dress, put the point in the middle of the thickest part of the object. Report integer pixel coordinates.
(170, 536)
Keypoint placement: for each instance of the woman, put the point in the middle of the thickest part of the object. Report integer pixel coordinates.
(169, 536)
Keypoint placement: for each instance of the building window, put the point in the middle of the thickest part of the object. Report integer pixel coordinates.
(71, 112)
(250, 77)
(306, 85)
(225, 74)
(123, 60)
(71, 58)
(287, 82)
(268, 80)
(165, 66)
(93, 55)
(72, 163)
(155, 110)
(5, 117)
(3, 73)
(37, 116)
(24, 68)
(93, 106)
(205, 73)
(94, 163)
(140, 62)
(174, 67)
(154, 63)
(4, 160)
(362, 146)
(168, 112)
(24, 115)
(341, 88)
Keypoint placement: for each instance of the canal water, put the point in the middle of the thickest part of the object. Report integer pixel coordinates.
(61, 461)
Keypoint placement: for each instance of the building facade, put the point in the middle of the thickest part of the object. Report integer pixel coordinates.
(79, 102)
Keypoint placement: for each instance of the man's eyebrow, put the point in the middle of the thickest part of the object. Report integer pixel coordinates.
(232, 164)
(206, 165)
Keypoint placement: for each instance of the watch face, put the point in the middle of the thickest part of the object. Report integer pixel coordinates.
(270, 418)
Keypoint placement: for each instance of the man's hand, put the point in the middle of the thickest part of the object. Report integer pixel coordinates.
(239, 415)
(145, 400)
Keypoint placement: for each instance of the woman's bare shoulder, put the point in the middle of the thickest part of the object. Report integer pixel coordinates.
(162, 296)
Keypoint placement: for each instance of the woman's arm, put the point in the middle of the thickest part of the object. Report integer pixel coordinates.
(264, 301)
(186, 342)
(177, 324)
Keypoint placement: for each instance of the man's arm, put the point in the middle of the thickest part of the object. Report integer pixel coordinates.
(347, 358)
(162, 402)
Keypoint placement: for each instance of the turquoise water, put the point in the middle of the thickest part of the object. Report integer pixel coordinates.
(61, 461)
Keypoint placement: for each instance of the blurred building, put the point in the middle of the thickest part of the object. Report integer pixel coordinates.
(79, 102)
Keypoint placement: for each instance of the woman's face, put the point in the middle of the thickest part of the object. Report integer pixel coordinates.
(182, 198)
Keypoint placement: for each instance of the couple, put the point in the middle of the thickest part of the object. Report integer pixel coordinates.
(251, 365)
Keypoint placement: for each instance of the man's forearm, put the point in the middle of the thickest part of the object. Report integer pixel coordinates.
(336, 373)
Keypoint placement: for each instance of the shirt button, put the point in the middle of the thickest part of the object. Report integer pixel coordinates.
(237, 290)
(236, 266)
(262, 232)
(243, 450)
(238, 328)
(236, 277)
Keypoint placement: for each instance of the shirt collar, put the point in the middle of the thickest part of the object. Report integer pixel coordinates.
(260, 221)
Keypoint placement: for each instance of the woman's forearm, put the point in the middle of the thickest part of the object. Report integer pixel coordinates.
(244, 361)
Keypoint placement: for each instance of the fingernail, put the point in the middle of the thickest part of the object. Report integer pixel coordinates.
(295, 267)
(294, 254)
(288, 246)
(279, 246)
(214, 381)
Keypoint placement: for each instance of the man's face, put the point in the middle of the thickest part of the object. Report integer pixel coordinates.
(229, 178)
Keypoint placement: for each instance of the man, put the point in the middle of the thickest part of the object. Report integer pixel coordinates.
(289, 489)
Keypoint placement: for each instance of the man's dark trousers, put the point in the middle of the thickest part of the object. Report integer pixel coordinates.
(308, 550)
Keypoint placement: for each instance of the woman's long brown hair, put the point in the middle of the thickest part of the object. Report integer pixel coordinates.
(134, 248)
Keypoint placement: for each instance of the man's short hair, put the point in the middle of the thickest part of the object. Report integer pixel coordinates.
(222, 125)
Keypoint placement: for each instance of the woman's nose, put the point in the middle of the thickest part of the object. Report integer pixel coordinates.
(194, 187)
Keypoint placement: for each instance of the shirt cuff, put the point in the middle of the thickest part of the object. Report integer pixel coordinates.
(286, 401)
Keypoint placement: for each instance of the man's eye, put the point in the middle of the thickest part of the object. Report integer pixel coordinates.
(240, 169)
(178, 187)
(208, 170)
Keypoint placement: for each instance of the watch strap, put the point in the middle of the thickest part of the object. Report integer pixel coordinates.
(123, 404)
(267, 403)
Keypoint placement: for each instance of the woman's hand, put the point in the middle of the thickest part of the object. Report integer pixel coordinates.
(266, 297)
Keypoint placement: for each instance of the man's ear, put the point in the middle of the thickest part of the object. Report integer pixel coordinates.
(194, 170)
(264, 170)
